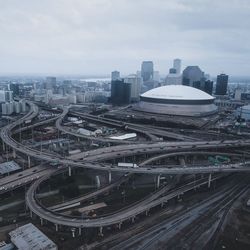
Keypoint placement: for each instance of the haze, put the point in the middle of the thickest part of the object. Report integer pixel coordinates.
(98, 36)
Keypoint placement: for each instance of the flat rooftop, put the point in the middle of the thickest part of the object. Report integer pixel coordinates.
(29, 237)
(8, 167)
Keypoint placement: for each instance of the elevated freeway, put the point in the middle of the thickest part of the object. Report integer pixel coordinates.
(117, 218)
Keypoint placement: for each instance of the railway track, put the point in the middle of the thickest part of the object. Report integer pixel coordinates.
(170, 231)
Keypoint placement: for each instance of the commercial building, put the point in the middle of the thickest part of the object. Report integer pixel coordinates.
(237, 94)
(208, 88)
(193, 76)
(177, 100)
(136, 83)
(50, 82)
(177, 65)
(174, 77)
(14, 87)
(147, 71)
(8, 167)
(221, 84)
(120, 92)
(243, 112)
(6, 96)
(115, 75)
(29, 237)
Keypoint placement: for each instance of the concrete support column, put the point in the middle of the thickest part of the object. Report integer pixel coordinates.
(110, 177)
(73, 230)
(182, 162)
(31, 214)
(80, 231)
(133, 219)
(41, 220)
(3, 146)
(158, 181)
(14, 153)
(147, 211)
(162, 204)
(56, 225)
(120, 225)
(98, 182)
(29, 162)
(209, 180)
(70, 172)
(101, 231)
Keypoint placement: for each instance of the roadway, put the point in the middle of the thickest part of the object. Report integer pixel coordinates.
(116, 218)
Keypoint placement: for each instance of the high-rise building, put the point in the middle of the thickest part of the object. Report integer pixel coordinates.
(50, 82)
(120, 92)
(172, 71)
(156, 76)
(147, 70)
(177, 65)
(136, 82)
(221, 84)
(208, 88)
(14, 87)
(115, 75)
(6, 96)
(192, 76)
(237, 94)
(174, 76)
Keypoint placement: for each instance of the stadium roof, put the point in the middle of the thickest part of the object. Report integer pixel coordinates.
(177, 92)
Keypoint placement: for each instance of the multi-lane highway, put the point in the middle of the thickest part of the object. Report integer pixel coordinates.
(93, 159)
(116, 218)
(25, 177)
(90, 157)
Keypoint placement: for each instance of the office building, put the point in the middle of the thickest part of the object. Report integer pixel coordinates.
(6, 96)
(136, 83)
(192, 76)
(50, 83)
(174, 77)
(30, 237)
(237, 94)
(147, 71)
(115, 75)
(14, 87)
(177, 65)
(208, 88)
(120, 92)
(221, 84)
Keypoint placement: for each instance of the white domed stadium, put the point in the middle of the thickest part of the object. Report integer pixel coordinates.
(178, 100)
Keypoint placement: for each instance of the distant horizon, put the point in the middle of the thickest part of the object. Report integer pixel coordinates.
(95, 37)
(84, 76)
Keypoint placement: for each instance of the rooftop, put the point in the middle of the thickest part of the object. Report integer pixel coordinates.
(8, 167)
(30, 237)
(177, 92)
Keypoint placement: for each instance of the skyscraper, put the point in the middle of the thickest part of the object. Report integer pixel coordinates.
(120, 92)
(136, 82)
(14, 87)
(177, 65)
(192, 76)
(221, 84)
(115, 75)
(50, 82)
(147, 70)
(209, 87)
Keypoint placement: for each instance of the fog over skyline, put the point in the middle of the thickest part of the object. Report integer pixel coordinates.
(95, 37)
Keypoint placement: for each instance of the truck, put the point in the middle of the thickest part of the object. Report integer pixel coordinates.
(127, 165)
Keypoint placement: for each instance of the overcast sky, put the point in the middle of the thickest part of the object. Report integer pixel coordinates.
(97, 36)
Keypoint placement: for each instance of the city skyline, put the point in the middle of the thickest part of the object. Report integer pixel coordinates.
(97, 37)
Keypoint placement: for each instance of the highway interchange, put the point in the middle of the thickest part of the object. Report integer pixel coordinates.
(94, 159)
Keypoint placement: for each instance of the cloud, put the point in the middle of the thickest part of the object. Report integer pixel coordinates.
(97, 36)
